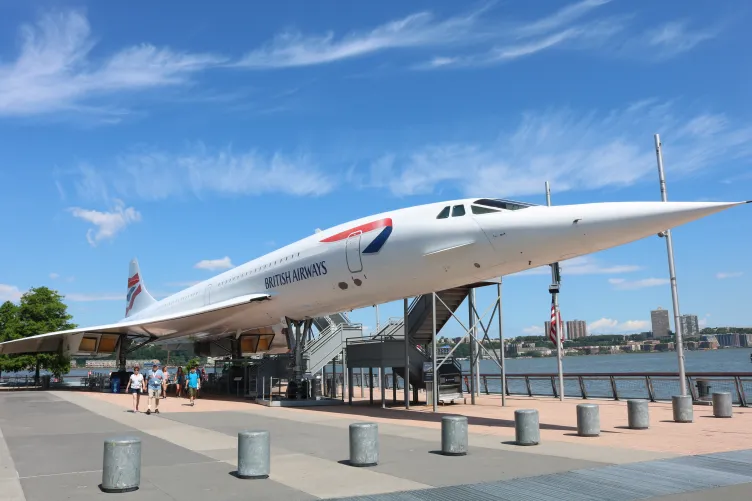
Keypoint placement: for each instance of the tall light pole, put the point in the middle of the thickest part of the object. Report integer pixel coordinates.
(672, 274)
(554, 290)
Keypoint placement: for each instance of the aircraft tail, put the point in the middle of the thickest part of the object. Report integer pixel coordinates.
(138, 297)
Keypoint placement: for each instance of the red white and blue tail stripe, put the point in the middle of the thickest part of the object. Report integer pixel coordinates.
(137, 298)
(385, 225)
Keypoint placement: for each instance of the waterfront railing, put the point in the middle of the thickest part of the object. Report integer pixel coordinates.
(653, 386)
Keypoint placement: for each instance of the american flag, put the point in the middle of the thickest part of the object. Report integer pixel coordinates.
(554, 324)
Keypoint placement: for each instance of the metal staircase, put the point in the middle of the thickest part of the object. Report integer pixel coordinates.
(334, 331)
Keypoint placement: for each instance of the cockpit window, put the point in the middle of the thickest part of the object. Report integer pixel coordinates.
(444, 213)
(458, 210)
(502, 204)
(477, 209)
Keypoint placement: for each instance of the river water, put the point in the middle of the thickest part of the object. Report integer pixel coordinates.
(725, 360)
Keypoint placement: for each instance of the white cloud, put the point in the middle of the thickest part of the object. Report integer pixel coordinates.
(54, 70)
(521, 39)
(291, 48)
(534, 330)
(731, 274)
(54, 276)
(611, 326)
(623, 284)
(157, 175)
(108, 224)
(77, 297)
(573, 151)
(583, 265)
(214, 264)
(9, 293)
(675, 37)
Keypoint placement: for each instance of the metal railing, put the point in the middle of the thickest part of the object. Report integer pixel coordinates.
(653, 386)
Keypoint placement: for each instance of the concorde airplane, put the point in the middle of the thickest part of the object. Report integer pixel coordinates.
(373, 260)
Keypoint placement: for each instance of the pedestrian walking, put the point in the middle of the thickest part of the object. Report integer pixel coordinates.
(135, 387)
(194, 384)
(155, 378)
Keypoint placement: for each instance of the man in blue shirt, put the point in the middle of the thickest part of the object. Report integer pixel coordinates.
(155, 377)
(194, 383)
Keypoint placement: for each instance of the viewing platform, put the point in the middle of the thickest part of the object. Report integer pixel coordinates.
(54, 441)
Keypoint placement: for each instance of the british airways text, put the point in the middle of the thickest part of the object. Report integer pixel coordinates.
(296, 275)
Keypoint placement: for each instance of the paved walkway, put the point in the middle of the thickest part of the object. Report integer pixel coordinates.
(54, 442)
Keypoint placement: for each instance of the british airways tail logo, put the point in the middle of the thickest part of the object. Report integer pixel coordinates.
(134, 289)
(375, 246)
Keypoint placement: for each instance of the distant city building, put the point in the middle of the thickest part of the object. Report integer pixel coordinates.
(689, 325)
(576, 329)
(659, 321)
(729, 340)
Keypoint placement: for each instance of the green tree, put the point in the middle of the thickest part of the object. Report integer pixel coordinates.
(40, 310)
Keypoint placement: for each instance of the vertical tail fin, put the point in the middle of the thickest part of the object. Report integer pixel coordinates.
(138, 297)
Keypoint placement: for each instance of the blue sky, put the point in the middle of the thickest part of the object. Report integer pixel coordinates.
(197, 138)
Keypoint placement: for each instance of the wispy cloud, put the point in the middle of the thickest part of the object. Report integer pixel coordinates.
(214, 264)
(675, 37)
(730, 274)
(623, 284)
(572, 150)
(524, 38)
(422, 29)
(611, 326)
(9, 293)
(198, 171)
(584, 265)
(54, 276)
(54, 70)
(108, 224)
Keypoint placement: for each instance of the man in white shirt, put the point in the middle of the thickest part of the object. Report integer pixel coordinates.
(135, 387)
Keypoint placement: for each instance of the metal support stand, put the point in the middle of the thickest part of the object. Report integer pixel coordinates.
(473, 351)
(123, 346)
(407, 356)
(672, 275)
(435, 382)
(370, 383)
(501, 352)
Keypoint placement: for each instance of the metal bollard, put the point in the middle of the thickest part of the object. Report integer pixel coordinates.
(253, 454)
(588, 420)
(526, 427)
(682, 406)
(364, 444)
(722, 406)
(121, 468)
(638, 414)
(454, 435)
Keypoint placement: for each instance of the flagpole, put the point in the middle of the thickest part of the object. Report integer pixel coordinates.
(556, 321)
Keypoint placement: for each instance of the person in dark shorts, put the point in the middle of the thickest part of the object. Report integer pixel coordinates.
(135, 387)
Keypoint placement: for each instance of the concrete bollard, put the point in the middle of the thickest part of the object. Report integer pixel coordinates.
(682, 406)
(526, 427)
(364, 444)
(722, 406)
(588, 420)
(638, 414)
(121, 468)
(253, 454)
(454, 435)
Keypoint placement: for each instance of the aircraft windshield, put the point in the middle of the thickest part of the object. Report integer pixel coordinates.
(499, 204)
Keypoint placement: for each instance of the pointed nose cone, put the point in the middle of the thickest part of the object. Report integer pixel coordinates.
(542, 235)
(594, 227)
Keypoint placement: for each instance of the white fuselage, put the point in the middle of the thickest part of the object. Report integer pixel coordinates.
(420, 254)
